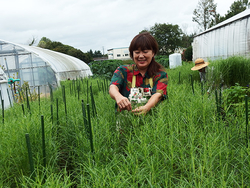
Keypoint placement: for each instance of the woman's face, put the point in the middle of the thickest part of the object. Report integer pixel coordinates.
(142, 58)
(202, 70)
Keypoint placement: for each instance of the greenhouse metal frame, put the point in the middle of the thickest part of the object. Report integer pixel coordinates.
(38, 67)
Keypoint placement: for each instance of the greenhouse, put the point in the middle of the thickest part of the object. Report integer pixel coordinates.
(228, 38)
(38, 67)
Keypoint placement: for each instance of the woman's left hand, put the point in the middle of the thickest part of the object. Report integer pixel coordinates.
(154, 99)
(140, 110)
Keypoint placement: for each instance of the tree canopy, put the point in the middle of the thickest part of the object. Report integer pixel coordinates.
(168, 37)
(235, 8)
(205, 14)
(97, 53)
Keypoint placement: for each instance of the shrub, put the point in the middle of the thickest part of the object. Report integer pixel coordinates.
(234, 97)
(188, 54)
(236, 94)
(163, 60)
(104, 69)
(127, 62)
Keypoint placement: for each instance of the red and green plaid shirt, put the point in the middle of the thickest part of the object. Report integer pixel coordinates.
(123, 75)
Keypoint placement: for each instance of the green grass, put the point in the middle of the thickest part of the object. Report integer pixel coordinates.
(180, 143)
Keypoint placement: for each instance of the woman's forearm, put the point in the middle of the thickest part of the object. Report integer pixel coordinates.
(154, 99)
(114, 91)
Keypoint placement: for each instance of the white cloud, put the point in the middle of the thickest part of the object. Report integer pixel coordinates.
(94, 24)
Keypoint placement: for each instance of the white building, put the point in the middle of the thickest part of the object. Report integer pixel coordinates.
(118, 53)
(228, 38)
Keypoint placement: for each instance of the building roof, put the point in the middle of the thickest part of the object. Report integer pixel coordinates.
(117, 48)
(241, 15)
(59, 62)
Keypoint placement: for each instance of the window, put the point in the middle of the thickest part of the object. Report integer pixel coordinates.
(118, 55)
(126, 54)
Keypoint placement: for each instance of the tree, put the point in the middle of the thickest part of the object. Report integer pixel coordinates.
(144, 30)
(97, 54)
(90, 52)
(168, 37)
(235, 8)
(43, 42)
(205, 14)
(187, 40)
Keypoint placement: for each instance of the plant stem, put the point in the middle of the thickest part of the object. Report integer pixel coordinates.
(246, 106)
(43, 142)
(90, 130)
(32, 170)
(3, 110)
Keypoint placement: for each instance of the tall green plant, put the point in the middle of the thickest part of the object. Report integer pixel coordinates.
(229, 71)
(180, 143)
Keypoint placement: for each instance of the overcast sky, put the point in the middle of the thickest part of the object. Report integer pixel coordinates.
(94, 24)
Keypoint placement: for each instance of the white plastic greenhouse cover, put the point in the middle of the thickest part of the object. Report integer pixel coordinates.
(40, 68)
(228, 38)
(64, 66)
(60, 62)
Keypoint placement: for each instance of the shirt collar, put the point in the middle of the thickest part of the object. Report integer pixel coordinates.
(136, 71)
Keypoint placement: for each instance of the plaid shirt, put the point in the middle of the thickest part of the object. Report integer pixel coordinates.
(123, 75)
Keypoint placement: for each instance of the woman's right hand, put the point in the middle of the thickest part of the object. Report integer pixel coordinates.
(123, 103)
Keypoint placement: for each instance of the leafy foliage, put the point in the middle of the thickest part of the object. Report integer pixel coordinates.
(163, 60)
(168, 37)
(104, 69)
(234, 98)
(188, 54)
(168, 30)
(97, 53)
(128, 61)
(187, 40)
(236, 94)
(235, 8)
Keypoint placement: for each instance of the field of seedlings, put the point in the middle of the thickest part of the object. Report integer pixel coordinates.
(194, 138)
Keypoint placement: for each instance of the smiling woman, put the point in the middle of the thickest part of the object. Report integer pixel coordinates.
(145, 75)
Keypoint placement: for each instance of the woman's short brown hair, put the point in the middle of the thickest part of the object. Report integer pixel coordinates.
(145, 41)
